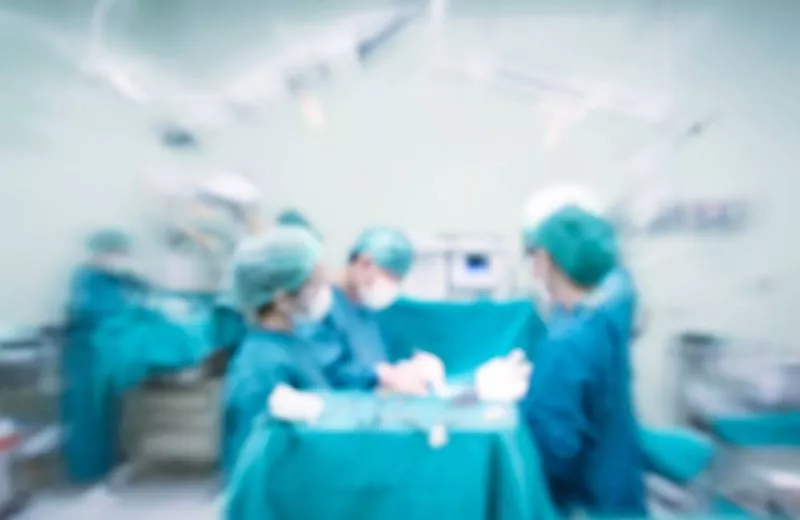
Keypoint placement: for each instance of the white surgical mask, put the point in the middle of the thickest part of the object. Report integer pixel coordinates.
(380, 295)
(541, 298)
(318, 306)
(541, 295)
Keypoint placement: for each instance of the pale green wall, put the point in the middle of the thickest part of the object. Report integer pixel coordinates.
(405, 148)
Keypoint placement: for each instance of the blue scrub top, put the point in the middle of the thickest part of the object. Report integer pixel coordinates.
(265, 359)
(95, 296)
(616, 296)
(348, 344)
(580, 411)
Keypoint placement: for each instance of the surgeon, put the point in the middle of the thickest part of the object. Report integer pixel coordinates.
(579, 406)
(100, 289)
(349, 343)
(278, 281)
(616, 294)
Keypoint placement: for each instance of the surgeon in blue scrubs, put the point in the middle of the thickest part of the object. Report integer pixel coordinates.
(349, 342)
(616, 294)
(278, 281)
(579, 406)
(100, 289)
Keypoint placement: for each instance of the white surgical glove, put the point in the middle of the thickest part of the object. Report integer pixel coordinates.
(503, 379)
(402, 378)
(432, 370)
(287, 404)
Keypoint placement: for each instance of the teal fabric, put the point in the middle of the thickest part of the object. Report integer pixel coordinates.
(765, 430)
(142, 342)
(677, 454)
(230, 327)
(114, 356)
(487, 470)
(348, 344)
(463, 334)
(389, 248)
(265, 359)
(95, 298)
(722, 508)
(579, 408)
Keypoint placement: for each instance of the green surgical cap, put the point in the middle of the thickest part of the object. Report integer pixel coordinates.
(389, 248)
(583, 245)
(107, 241)
(281, 260)
(292, 217)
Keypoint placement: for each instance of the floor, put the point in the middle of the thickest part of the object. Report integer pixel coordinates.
(152, 498)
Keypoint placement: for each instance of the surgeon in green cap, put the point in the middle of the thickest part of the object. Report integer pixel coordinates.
(278, 280)
(579, 405)
(349, 343)
(100, 289)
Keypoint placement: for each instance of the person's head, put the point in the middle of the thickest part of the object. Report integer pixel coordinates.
(109, 250)
(278, 275)
(572, 251)
(293, 217)
(378, 262)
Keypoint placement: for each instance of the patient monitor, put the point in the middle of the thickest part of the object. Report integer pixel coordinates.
(459, 267)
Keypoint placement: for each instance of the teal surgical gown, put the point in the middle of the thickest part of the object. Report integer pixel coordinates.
(617, 299)
(90, 448)
(348, 344)
(264, 359)
(579, 408)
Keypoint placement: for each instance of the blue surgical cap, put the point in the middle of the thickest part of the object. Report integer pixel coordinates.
(292, 217)
(581, 244)
(108, 241)
(389, 248)
(281, 260)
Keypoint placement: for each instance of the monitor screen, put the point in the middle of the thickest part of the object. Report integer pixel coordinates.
(477, 262)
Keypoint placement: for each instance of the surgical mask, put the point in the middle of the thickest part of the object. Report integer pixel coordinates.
(541, 295)
(542, 298)
(380, 295)
(318, 306)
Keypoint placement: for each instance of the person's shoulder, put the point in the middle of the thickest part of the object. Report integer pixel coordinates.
(581, 334)
(264, 345)
(86, 278)
(618, 284)
(84, 272)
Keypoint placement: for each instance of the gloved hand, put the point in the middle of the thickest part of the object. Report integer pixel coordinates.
(431, 369)
(402, 378)
(287, 404)
(504, 379)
